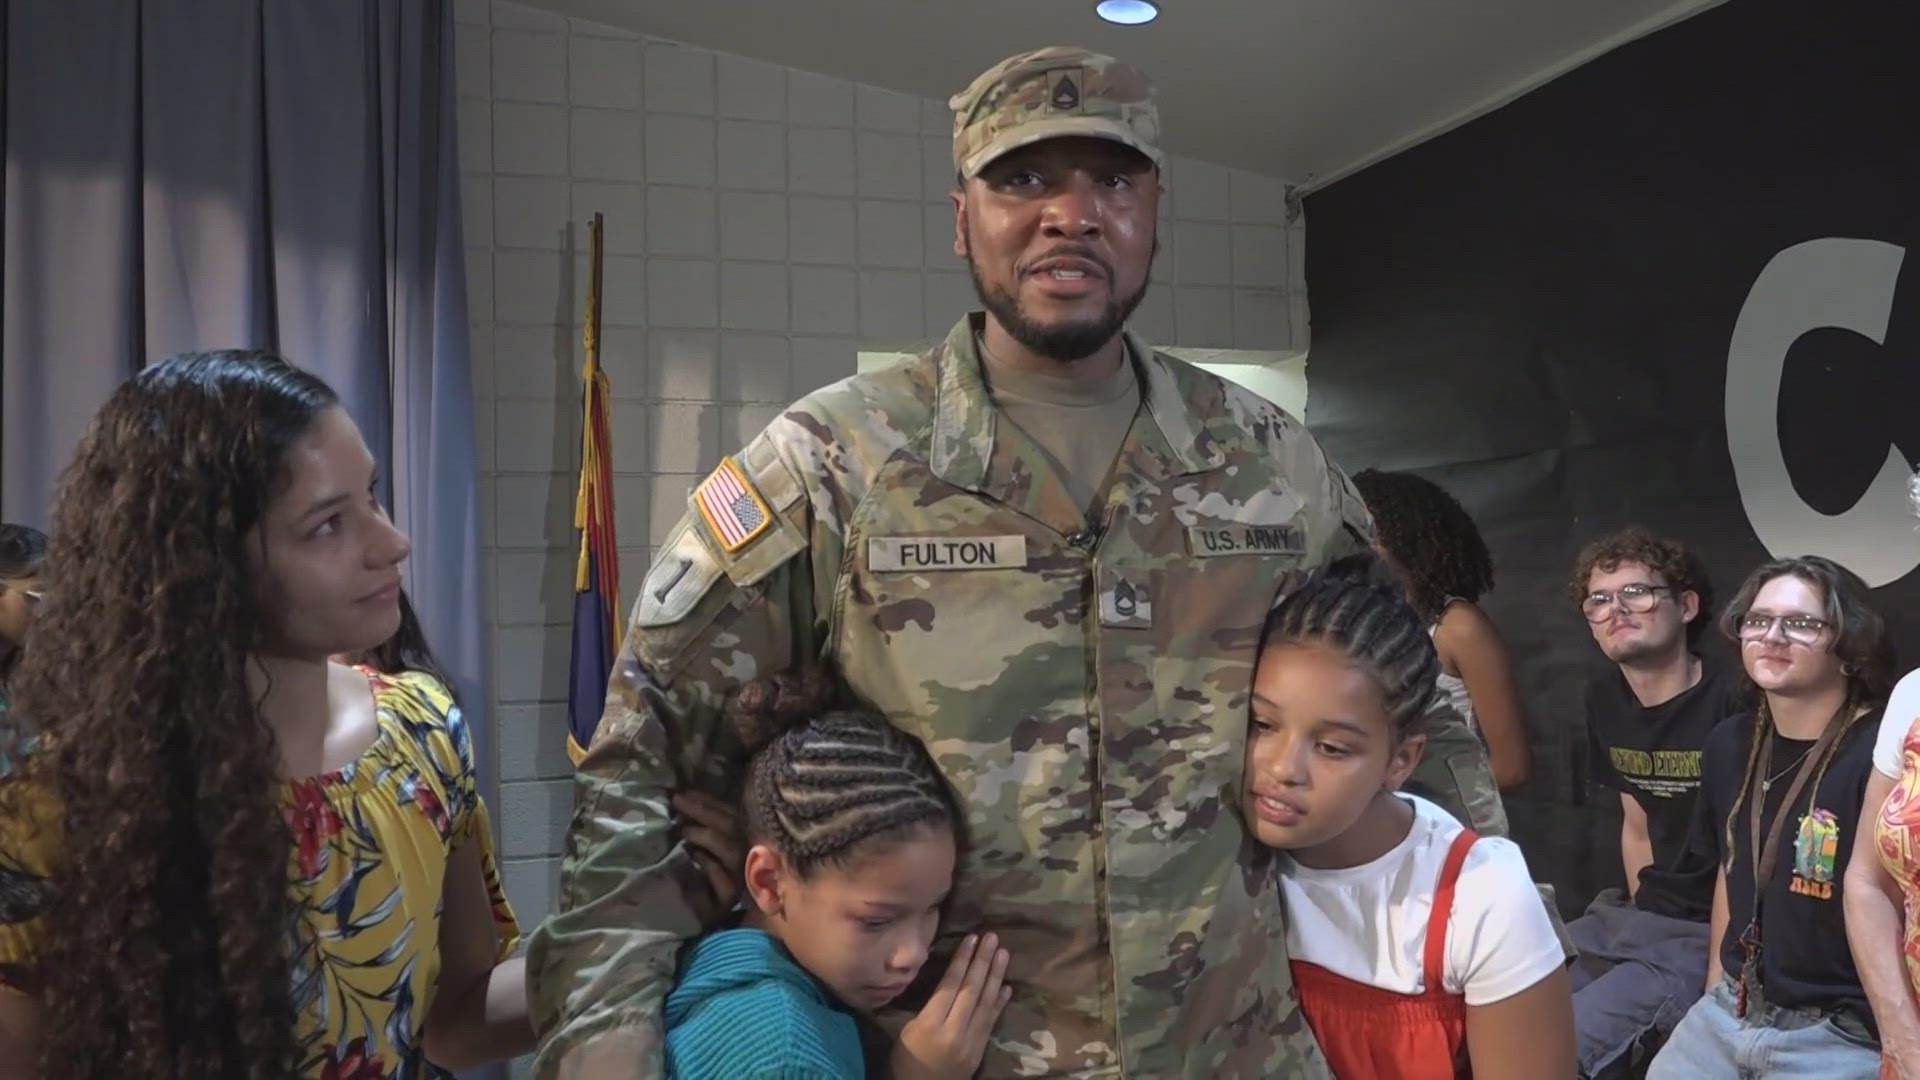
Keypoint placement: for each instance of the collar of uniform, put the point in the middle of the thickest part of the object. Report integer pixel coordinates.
(964, 416)
(1194, 448)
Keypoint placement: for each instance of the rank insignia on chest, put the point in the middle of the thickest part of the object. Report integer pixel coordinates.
(1125, 602)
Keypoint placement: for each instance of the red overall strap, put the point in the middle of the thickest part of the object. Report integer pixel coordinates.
(1436, 949)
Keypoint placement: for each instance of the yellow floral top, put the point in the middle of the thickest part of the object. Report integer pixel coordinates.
(371, 845)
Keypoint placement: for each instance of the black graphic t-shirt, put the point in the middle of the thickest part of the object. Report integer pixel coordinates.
(1652, 755)
(1804, 959)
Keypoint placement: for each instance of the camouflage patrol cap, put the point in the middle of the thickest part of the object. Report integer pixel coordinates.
(1048, 93)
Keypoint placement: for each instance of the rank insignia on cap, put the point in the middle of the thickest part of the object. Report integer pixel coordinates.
(732, 508)
(1066, 94)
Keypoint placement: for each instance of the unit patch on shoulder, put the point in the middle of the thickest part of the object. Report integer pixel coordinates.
(733, 509)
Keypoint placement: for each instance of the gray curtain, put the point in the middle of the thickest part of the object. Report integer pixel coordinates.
(192, 174)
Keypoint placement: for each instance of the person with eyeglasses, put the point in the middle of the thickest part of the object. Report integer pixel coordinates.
(1783, 787)
(23, 549)
(1883, 881)
(1643, 948)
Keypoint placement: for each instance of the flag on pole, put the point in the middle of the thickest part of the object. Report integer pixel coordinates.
(596, 583)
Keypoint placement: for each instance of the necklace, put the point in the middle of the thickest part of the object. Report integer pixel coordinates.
(1767, 784)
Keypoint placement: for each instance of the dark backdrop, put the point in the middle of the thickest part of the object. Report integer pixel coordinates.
(1543, 310)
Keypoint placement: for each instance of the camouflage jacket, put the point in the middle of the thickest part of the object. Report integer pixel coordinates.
(1084, 686)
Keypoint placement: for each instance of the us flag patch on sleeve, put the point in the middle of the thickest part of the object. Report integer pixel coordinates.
(734, 511)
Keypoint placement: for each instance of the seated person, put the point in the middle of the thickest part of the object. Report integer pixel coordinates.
(1643, 950)
(1784, 788)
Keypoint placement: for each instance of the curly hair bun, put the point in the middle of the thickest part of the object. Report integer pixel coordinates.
(774, 704)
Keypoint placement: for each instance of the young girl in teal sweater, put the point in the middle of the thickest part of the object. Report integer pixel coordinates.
(853, 836)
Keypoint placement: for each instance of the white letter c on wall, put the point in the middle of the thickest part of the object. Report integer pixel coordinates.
(1834, 282)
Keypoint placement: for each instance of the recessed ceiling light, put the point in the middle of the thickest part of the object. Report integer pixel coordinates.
(1127, 12)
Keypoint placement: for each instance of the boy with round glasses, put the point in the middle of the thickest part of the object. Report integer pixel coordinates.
(1643, 949)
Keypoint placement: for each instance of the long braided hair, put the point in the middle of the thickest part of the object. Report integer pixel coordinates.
(828, 777)
(1356, 606)
(1860, 642)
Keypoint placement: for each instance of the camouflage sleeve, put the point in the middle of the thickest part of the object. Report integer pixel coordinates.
(707, 620)
(1454, 772)
(1355, 532)
(1336, 517)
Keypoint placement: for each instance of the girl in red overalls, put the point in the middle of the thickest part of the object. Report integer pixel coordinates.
(1420, 951)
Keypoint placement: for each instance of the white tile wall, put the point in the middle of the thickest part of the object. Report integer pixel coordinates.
(529, 138)
(529, 66)
(683, 366)
(680, 150)
(683, 292)
(753, 296)
(751, 90)
(681, 221)
(824, 300)
(753, 155)
(820, 230)
(605, 144)
(820, 161)
(679, 79)
(762, 225)
(603, 72)
(819, 100)
(753, 225)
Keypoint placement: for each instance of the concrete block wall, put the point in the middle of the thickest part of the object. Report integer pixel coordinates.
(762, 226)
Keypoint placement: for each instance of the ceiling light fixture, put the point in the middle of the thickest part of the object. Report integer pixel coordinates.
(1127, 12)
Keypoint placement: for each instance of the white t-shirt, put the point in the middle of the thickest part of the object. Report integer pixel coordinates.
(1368, 923)
(1903, 708)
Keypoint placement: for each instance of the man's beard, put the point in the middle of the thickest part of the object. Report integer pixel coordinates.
(1066, 341)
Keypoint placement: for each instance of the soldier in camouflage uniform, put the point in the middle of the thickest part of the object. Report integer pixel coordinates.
(1078, 667)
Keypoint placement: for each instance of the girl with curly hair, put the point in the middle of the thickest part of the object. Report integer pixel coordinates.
(1434, 546)
(226, 856)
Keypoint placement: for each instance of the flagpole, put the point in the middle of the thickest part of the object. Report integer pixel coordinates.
(596, 573)
(583, 501)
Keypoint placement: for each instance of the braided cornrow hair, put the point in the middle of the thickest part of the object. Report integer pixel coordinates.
(1356, 606)
(827, 777)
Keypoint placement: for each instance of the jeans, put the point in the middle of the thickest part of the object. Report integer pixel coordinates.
(1711, 1044)
(1637, 974)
